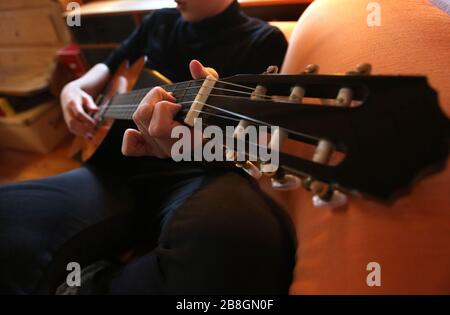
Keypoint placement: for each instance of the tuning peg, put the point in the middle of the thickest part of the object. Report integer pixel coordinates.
(282, 181)
(311, 69)
(271, 70)
(250, 169)
(258, 93)
(345, 95)
(298, 92)
(247, 166)
(261, 90)
(324, 194)
(230, 155)
(277, 138)
(363, 68)
(337, 199)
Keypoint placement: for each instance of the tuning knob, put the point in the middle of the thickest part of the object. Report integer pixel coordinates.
(337, 199)
(288, 182)
(250, 169)
(282, 181)
(324, 194)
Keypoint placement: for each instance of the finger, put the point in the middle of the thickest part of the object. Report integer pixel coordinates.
(81, 125)
(198, 71)
(162, 121)
(80, 115)
(80, 129)
(133, 143)
(153, 146)
(144, 112)
(89, 103)
(158, 94)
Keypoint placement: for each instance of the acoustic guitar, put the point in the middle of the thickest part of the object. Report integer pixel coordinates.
(368, 135)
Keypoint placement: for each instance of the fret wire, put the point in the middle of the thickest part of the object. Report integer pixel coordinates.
(134, 97)
(125, 114)
(146, 90)
(143, 92)
(140, 97)
(184, 92)
(134, 106)
(165, 86)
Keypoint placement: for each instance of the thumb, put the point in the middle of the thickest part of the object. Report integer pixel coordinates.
(89, 103)
(133, 143)
(198, 71)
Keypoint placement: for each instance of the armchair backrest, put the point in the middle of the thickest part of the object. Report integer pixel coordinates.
(409, 239)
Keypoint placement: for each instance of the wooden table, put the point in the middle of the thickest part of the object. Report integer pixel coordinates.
(140, 7)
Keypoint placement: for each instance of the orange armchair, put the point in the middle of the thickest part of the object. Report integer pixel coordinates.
(410, 239)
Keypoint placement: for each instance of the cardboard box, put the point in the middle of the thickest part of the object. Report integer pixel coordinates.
(31, 34)
(39, 129)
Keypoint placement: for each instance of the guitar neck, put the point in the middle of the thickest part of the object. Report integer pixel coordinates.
(375, 122)
(122, 106)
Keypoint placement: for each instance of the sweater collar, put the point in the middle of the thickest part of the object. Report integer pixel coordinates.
(230, 16)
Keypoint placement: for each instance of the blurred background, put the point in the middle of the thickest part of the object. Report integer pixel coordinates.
(42, 47)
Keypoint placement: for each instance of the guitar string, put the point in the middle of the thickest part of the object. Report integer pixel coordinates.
(140, 94)
(225, 118)
(164, 86)
(243, 117)
(123, 114)
(258, 122)
(111, 110)
(143, 92)
(268, 97)
(233, 138)
(201, 94)
(132, 107)
(126, 114)
(146, 90)
(128, 109)
(137, 99)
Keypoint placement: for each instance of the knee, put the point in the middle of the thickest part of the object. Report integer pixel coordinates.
(231, 235)
(25, 238)
(22, 257)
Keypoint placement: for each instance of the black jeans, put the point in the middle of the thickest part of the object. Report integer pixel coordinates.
(202, 231)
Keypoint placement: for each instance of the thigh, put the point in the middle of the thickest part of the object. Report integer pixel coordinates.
(219, 235)
(77, 215)
(229, 238)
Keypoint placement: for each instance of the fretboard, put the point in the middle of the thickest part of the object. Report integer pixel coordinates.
(122, 106)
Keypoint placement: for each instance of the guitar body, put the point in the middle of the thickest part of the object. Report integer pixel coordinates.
(124, 80)
(408, 239)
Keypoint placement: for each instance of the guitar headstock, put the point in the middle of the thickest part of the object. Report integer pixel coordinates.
(386, 130)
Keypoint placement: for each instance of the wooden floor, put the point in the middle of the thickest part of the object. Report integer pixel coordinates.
(18, 166)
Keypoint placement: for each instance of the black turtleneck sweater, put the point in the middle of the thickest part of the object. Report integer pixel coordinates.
(230, 42)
